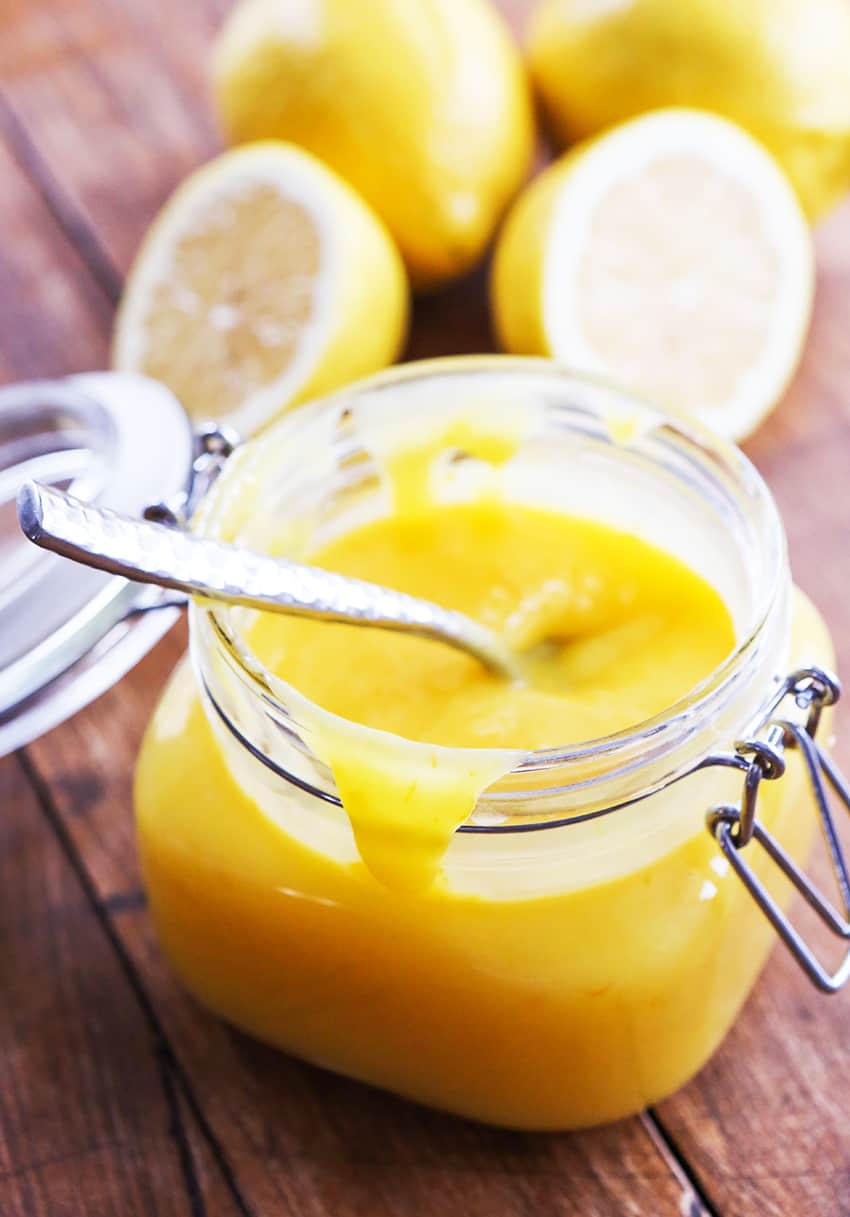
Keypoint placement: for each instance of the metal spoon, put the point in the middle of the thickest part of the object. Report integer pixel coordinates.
(154, 553)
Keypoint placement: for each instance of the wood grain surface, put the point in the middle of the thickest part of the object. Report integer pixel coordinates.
(118, 1095)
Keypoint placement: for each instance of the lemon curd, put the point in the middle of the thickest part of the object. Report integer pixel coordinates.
(418, 937)
(627, 630)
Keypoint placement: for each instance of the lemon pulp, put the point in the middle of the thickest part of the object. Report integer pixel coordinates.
(669, 255)
(263, 280)
(222, 281)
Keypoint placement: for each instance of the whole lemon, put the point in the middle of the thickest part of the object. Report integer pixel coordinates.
(780, 68)
(422, 105)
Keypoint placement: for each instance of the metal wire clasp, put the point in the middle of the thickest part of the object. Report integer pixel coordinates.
(735, 826)
(214, 444)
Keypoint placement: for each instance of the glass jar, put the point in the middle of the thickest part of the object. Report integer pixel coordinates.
(589, 941)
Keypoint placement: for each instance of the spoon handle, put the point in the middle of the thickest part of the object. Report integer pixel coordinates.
(154, 553)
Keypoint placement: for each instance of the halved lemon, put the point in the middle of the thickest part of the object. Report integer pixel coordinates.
(264, 280)
(670, 255)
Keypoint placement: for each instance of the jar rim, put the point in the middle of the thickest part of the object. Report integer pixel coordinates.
(659, 732)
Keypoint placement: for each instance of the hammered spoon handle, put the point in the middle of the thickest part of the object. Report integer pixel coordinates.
(148, 552)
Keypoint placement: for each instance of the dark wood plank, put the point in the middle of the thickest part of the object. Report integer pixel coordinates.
(53, 317)
(112, 96)
(766, 1123)
(90, 1119)
(89, 765)
(804, 448)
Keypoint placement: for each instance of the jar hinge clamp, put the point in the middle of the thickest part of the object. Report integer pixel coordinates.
(213, 445)
(735, 826)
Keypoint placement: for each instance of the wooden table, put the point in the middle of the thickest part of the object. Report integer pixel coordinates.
(118, 1096)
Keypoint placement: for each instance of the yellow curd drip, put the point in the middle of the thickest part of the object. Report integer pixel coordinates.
(617, 630)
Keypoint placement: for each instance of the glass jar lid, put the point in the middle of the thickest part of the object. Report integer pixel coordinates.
(67, 632)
